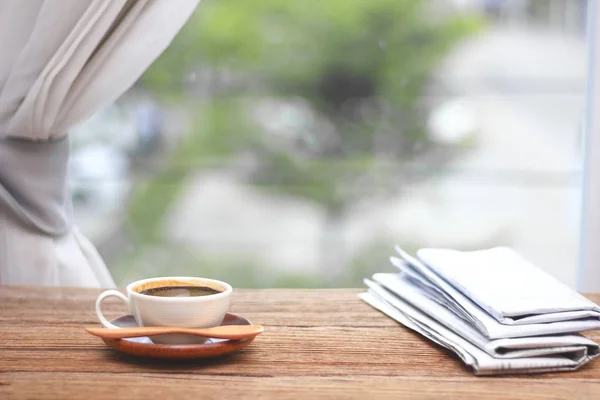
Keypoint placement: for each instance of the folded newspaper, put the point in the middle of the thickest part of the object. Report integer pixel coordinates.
(498, 312)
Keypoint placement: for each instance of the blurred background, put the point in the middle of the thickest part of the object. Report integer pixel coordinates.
(276, 144)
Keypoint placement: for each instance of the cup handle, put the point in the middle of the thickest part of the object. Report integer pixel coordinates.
(100, 299)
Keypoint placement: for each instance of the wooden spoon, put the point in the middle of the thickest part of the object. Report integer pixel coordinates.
(233, 332)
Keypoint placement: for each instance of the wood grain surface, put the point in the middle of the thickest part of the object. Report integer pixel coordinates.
(316, 344)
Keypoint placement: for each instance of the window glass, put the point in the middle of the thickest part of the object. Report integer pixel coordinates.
(279, 145)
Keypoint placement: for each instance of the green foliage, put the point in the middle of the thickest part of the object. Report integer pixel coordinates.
(150, 201)
(246, 273)
(292, 45)
(361, 66)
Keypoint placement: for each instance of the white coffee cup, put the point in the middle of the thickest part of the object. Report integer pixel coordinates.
(184, 312)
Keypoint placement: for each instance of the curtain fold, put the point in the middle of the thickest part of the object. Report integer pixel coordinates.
(32, 184)
(60, 61)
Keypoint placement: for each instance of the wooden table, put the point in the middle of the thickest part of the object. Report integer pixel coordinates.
(317, 344)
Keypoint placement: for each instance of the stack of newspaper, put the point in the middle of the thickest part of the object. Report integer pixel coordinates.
(498, 312)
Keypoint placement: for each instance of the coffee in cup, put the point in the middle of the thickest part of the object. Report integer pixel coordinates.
(184, 302)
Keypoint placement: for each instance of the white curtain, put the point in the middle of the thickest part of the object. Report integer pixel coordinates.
(60, 61)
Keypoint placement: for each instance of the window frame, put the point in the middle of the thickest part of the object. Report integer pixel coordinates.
(588, 274)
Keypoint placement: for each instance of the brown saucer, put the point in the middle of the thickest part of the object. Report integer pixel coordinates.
(144, 347)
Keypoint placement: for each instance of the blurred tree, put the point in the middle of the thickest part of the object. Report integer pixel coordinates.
(353, 72)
